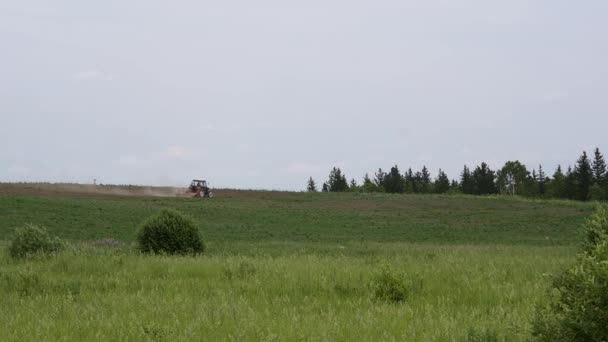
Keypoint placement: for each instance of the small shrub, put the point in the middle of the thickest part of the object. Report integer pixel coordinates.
(30, 240)
(169, 232)
(577, 309)
(390, 287)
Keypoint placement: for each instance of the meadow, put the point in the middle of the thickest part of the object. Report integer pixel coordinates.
(288, 266)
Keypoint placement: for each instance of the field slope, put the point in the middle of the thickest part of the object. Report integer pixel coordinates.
(286, 266)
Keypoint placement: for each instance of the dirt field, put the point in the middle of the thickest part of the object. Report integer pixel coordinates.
(48, 189)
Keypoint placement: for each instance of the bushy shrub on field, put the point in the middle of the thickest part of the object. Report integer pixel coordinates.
(169, 232)
(578, 305)
(30, 240)
(388, 286)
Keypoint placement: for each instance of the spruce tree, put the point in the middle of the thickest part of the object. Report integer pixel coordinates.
(379, 178)
(312, 186)
(570, 184)
(583, 175)
(425, 180)
(599, 168)
(393, 181)
(542, 181)
(337, 181)
(484, 179)
(325, 188)
(442, 182)
(410, 182)
(557, 185)
(466, 181)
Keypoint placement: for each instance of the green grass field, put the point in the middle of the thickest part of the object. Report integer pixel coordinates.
(288, 266)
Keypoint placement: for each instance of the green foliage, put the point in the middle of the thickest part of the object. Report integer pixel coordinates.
(442, 182)
(596, 229)
(311, 185)
(390, 287)
(30, 240)
(393, 181)
(483, 178)
(467, 183)
(169, 232)
(583, 175)
(337, 181)
(578, 306)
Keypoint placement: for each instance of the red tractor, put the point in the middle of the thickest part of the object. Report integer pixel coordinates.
(200, 189)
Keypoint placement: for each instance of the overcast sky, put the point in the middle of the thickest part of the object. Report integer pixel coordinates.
(264, 94)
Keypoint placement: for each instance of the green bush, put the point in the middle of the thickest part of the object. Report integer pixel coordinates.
(390, 287)
(577, 309)
(169, 232)
(30, 240)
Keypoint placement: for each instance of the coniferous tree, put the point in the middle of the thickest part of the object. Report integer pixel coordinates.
(570, 184)
(533, 189)
(379, 178)
(542, 181)
(454, 185)
(325, 188)
(425, 180)
(417, 182)
(558, 183)
(393, 181)
(410, 181)
(583, 175)
(467, 184)
(337, 181)
(599, 168)
(484, 179)
(312, 186)
(442, 182)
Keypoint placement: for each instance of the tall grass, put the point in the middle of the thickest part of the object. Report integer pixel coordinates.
(105, 294)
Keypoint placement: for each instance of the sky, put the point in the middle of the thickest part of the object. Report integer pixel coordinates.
(264, 94)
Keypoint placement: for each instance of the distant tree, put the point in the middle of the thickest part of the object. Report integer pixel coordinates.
(484, 179)
(353, 185)
(558, 183)
(312, 186)
(467, 184)
(369, 186)
(425, 180)
(512, 178)
(410, 182)
(337, 181)
(379, 178)
(393, 181)
(325, 188)
(583, 175)
(542, 181)
(454, 184)
(570, 184)
(599, 168)
(442, 182)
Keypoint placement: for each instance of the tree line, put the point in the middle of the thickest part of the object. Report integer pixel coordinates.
(587, 180)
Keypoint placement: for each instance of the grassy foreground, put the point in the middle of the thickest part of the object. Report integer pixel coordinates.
(457, 293)
(288, 266)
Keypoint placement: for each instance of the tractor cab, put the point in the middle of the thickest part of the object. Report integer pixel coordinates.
(199, 188)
